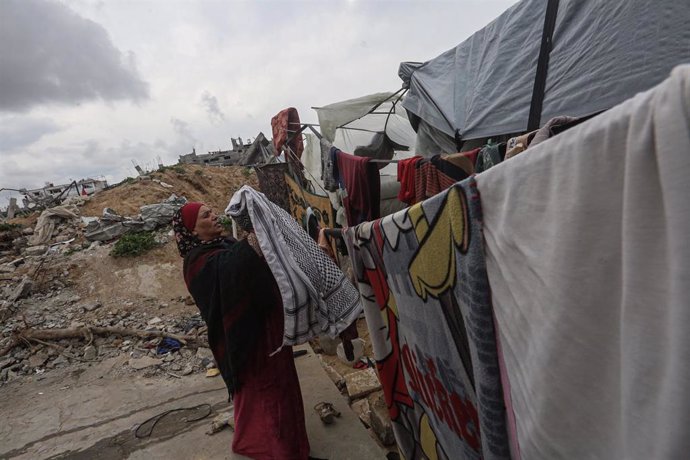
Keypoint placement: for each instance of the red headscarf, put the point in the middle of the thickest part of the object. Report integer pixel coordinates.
(190, 212)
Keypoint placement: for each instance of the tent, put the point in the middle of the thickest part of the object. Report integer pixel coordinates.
(354, 124)
(541, 59)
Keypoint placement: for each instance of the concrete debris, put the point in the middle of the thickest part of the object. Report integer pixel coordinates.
(203, 352)
(144, 362)
(221, 421)
(92, 306)
(38, 359)
(361, 383)
(36, 250)
(154, 321)
(363, 411)
(28, 231)
(380, 420)
(111, 215)
(188, 369)
(90, 353)
(22, 290)
(102, 231)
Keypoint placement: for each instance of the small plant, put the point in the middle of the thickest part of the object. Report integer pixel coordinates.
(246, 172)
(199, 172)
(225, 222)
(178, 169)
(4, 227)
(133, 244)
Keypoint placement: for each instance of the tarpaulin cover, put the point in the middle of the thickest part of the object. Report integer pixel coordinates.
(603, 52)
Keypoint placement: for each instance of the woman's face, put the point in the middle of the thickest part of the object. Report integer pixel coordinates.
(207, 225)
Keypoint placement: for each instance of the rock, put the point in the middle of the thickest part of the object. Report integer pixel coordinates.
(36, 250)
(23, 290)
(361, 383)
(189, 301)
(362, 409)
(175, 367)
(28, 231)
(38, 359)
(3, 374)
(380, 420)
(168, 358)
(163, 305)
(92, 306)
(90, 353)
(144, 362)
(7, 362)
(60, 360)
(154, 321)
(188, 369)
(203, 352)
(221, 421)
(329, 345)
(11, 375)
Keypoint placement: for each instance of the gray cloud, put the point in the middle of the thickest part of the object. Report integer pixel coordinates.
(50, 54)
(17, 132)
(210, 103)
(185, 138)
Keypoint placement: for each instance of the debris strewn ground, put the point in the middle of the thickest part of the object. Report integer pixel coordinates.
(66, 304)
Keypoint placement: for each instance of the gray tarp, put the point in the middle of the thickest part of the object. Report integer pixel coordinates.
(604, 52)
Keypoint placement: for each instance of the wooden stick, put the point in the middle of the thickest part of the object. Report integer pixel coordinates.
(85, 332)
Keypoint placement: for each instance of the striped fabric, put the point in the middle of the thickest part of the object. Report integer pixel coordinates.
(317, 297)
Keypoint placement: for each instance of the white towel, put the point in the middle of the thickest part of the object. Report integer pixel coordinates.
(588, 256)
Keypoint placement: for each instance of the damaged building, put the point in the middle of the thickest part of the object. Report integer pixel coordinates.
(241, 154)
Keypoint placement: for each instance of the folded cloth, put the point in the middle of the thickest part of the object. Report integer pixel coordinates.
(317, 296)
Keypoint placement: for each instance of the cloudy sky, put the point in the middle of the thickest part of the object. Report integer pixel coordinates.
(87, 86)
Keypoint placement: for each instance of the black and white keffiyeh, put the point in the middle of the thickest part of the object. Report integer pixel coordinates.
(317, 296)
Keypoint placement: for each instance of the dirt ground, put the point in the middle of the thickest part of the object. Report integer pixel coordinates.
(212, 185)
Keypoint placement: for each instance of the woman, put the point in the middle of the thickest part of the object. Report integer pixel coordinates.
(240, 302)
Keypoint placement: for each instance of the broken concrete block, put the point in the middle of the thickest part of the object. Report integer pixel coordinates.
(154, 321)
(92, 306)
(22, 290)
(144, 362)
(188, 369)
(90, 353)
(104, 231)
(36, 250)
(381, 421)
(361, 383)
(28, 231)
(158, 214)
(362, 409)
(38, 359)
(203, 352)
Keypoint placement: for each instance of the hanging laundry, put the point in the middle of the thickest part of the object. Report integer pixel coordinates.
(471, 155)
(435, 175)
(587, 255)
(518, 144)
(489, 156)
(457, 166)
(551, 128)
(302, 200)
(327, 156)
(285, 124)
(406, 174)
(317, 297)
(272, 183)
(360, 178)
(426, 298)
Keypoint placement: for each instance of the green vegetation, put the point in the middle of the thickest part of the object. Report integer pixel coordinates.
(199, 172)
(246, 172)
(133, 244)
(9, 227)
(226, 222)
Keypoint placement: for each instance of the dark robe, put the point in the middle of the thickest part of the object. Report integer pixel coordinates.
(240, 302)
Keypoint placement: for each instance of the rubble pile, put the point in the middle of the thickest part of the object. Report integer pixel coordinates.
(149, 357)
